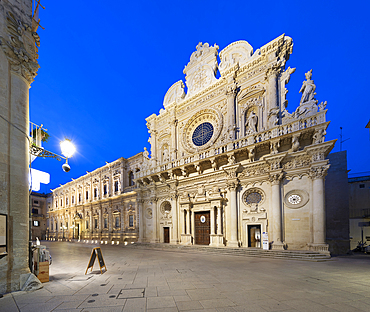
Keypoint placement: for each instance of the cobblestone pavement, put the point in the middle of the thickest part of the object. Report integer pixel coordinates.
(141, 279)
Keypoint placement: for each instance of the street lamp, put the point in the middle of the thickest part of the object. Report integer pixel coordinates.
(67, 147)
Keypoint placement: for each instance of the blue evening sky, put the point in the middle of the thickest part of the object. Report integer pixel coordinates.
(106, 66)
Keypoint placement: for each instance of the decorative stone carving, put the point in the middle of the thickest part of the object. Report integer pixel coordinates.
(319, 172)
(251, 124)
(295, 143)
(319, 136)
(201, 70)
(20, 47)
(275, 178)
(251, 154)
(174, 94)
(209, 115)
(308, 89)
(232, 185)
(236, 53)
(149, 213)
(298, 162)
(274, 147)
(253, 198)
(231, 159)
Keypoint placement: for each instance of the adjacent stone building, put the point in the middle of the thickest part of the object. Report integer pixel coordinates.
(99, 206)
(228, 162)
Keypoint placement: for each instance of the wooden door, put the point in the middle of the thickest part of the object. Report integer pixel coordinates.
(202, 223)
(166, 235)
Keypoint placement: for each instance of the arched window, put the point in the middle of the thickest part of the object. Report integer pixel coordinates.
(131, 179)
(115, 186)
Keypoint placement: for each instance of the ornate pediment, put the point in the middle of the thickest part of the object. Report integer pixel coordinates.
(238, 52)
(201, 70)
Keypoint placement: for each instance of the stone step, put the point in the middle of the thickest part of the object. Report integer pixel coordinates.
(304, 255)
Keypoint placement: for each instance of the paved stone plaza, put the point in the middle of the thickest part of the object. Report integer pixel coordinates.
(141, 279)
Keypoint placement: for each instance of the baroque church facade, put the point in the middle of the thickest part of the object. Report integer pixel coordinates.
(228, 163)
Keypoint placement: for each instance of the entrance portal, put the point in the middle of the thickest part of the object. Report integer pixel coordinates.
(166, 235)
(254, 236)
(202, 229)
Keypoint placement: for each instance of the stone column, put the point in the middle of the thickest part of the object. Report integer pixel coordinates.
(155, 237)
(272, 75)
(276, 210)
(174, 239)
(212, 220)
(317, 174)
(230, 94)
(173, 152)
(232, 223)
(219, 231)
(140, 208)
(192, 226)
(182, 223)
(188, 221)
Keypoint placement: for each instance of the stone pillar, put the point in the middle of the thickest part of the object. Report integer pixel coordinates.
(140, 208)
(212, 220)
(182, 223)
(232, 223)
(230, 94)
(192, 226)
(174, 239)
(173, 152)
(317, 174)
(272, 75)
(219, 231)
(276, 210)
(188, 221)
(155, 237)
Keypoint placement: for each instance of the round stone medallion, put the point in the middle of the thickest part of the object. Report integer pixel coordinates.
(296, 199)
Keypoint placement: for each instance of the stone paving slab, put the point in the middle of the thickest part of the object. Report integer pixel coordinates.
(192, 281)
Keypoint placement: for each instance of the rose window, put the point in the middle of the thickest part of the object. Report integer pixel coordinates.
(253, 198)
(202, 134)
(294, 199)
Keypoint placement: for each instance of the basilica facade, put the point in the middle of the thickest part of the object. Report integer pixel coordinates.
(228, 165)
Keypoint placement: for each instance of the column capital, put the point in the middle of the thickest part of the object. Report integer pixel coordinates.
(275, 178)
(318, 172)
(232, 185)
(20, 48)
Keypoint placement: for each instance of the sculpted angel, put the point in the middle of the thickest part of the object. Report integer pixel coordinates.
(251, 123)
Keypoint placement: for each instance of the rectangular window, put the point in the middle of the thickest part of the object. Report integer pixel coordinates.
(51, 225)
(131, 221)
(79, 197)
(61, 203)
(36, 223)
(105, 189)
(362, 185)
(95, 192)
(35, 211)
(36, 202)
(116, 186)
(66, 225)
(87, 195)
(56, 204)
(105, 223)
(67, 201)
(73, 199)
(87, 224)
(117, 222)
(95, 223)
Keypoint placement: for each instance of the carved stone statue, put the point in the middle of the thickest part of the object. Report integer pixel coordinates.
(145, 153)
(319, 136)
(295, 143)
(251, 124)
(308, 88)
(165, 155)
(251, 154)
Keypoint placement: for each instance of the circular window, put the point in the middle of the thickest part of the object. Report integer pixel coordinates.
(296, 199)
(165, 207)
(202, 219)
(202, 134)
(253, 196)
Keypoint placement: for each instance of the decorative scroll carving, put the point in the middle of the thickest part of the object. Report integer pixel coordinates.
(256, 170)
(275, 178)
(319, 172)
(298, 162)
(20, 48)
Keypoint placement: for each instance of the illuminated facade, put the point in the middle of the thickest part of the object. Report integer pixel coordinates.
(227, 163)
